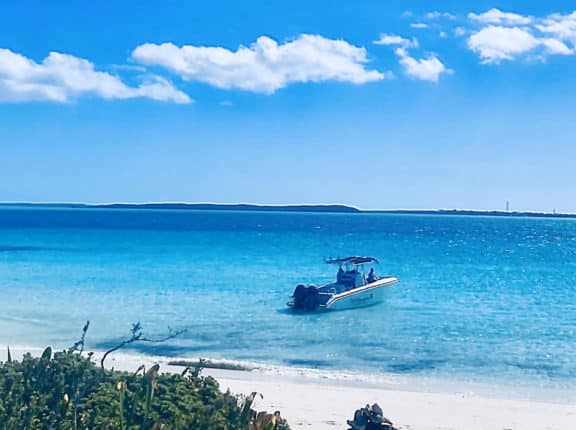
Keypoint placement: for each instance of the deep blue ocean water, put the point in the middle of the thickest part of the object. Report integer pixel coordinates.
(479, 298)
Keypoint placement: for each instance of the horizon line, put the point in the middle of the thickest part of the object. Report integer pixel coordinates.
(279, 205)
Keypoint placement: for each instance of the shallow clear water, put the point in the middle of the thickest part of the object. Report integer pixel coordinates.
(479, 298)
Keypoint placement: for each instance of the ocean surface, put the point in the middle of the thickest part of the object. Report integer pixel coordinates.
(488, 299)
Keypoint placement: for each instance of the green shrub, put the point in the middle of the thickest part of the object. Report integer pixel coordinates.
(67, 391)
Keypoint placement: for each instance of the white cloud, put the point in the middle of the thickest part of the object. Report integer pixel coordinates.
(459, 31)
(426, 69)
(496, 16)
(436, 15)
(395, 40)
(265, 66)
(556, 47)
(62, 78)
(495, 43)
(419, 25)
(562, 27)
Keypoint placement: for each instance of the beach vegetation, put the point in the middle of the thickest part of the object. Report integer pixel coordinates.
(67, 390)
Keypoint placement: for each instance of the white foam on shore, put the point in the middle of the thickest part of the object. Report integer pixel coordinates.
(130, 361)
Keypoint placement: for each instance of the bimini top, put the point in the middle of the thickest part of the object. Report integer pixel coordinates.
(352, 260)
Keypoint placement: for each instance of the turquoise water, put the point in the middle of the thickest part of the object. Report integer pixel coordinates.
(479, 298)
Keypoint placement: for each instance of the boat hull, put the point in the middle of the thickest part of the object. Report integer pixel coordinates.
(366, 295)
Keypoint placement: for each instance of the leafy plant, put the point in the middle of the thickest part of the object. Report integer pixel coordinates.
(68, 391)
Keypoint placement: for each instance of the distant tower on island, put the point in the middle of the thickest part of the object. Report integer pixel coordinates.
(507, 205)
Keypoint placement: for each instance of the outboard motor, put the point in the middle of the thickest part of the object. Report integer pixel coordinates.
(306, 298)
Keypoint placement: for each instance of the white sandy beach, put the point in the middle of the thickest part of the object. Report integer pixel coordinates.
(320, 404)
(328, 406)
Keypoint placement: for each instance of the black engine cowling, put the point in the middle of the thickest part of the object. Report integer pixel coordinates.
(306, 298)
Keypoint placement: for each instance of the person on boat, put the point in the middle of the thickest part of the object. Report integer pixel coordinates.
(340, 275)
(371, 276)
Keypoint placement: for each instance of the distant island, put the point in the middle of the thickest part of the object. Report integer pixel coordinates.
(306, 208)
(247, 207)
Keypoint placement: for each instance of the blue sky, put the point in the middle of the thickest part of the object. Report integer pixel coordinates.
(379, 104)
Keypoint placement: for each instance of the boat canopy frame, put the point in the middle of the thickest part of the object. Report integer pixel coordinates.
(355, 260)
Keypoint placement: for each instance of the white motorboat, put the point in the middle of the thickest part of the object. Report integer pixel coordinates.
(352, 289)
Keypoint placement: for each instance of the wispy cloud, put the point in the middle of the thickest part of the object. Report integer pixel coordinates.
(459, 31)
(505, 36)
(562, 27)
(495, 44)
(395, 40)
(429, 68)
(425, 69)
(438, 15)
(496, 16)
(266, 65)
(497, 35)
(63, 78)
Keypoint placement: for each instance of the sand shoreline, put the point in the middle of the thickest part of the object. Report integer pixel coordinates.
(319, 404)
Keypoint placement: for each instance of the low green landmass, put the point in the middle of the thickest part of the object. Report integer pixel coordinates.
(67, 391)
(319, 208)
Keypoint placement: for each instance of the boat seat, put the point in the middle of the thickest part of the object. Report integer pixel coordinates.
(352, 279)
(348, 279)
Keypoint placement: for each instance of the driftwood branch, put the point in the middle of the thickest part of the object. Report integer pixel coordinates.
(79, 345)
(136, 335)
